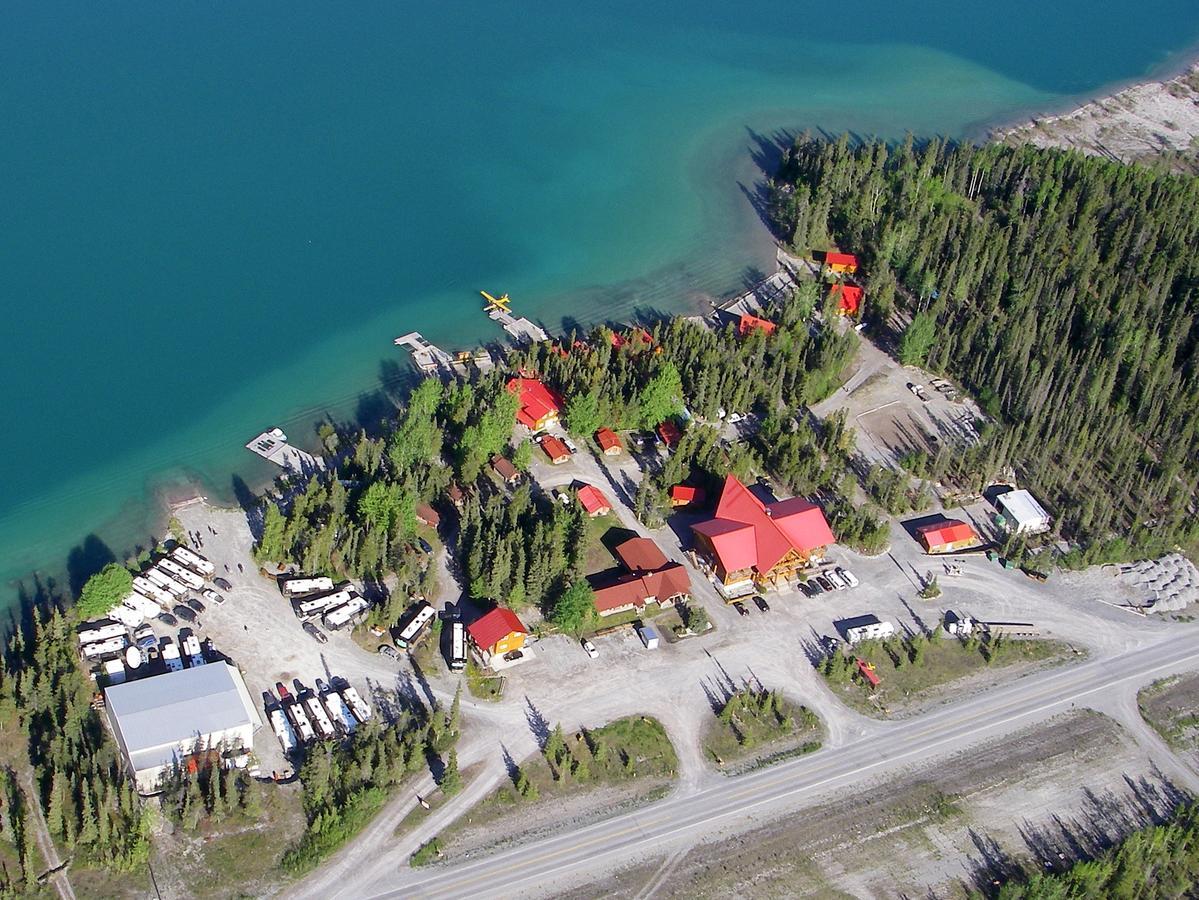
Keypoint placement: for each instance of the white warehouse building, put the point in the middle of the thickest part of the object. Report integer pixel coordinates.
(1023, 513)
(159, 721)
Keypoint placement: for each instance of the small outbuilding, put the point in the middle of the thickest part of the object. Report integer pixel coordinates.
(594, 503)
(670, 434)
(427, 515)
(503, 467)
(686, 495)
(841, 262)
(1024, 515)
(555, 451)
(748, 324)
(847, 297)
(608, 441)
(946, 536)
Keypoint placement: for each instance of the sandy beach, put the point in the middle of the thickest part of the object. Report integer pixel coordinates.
(1143, 122)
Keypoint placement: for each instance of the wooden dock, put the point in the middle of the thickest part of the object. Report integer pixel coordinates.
(426, 356)
(522, 330)
(272, 446)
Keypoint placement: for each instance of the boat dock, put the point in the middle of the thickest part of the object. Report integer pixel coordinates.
(427, 357)
(522, 329)
(272, 446)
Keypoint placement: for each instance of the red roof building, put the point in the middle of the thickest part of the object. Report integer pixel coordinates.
(841, 262)
(748, 324)
(641, 555)
(665, 587)
(427, 515)
(504, 468)
(498, 632)
(749, 540)
(539, 405)
(946, 535)
(554, 449)
(670, 434)
(609, 441)
(848, 297)
(686, 495)
(593, 501)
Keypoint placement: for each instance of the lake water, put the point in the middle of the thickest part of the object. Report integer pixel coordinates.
(215, 217)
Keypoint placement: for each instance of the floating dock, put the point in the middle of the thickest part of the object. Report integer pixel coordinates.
(426, 356)
(522, 330)
(272, 446)
(759, 298)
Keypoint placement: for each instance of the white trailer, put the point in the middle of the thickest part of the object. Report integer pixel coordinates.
(101, 633)
(114, 670)
(339, 712)
(147, 588)
(194, 561)
(346, 613)
(869, 631)
(105, 648)
(191, 649)
(170, 656)
(415, 628)
(315, 605)
(126, 615)
(300, 720)
(457, 647)
(358, 706)
(166, 582)
(302, 587)
(319, 717)
(179, 573)
(283, 730)
(144, 605)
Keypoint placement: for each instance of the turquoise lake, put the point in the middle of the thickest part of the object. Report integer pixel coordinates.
(215, 217)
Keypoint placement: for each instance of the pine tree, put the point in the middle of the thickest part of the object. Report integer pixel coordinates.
(451, 780)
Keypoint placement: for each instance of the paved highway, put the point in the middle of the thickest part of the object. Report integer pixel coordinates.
(603, 847)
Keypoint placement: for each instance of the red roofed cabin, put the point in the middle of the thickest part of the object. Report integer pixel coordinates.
(539, 405)
(670, 434)
(504, 468)
(841, 262)
(609, 441)
(593, 501)
(848, 297)
(751, 543)
(555, 450)
(427, 515)
(651, 579)
(946, 536)
(685, 495)
(749, 324)
(496, 633)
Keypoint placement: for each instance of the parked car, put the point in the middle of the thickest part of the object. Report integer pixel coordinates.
(315, 633)
(815, 586)
(836, 581)
(184, 613)
(761, 603)
(590, 648)
(167, 619)
(222, 583)
(734, 418)
(830, 643)
(570, 445)
(824, 583)
(740, 607)
(848, 577)
(424, 545)
(196, 605)
(282, 691)
(210, 594)
(388, 651)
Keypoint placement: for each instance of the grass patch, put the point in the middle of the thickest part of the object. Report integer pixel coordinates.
(481, 685)
(1169, 706)
(624, 752)
(651, 611)
(426, 853)
(910, 669)
(751, 726)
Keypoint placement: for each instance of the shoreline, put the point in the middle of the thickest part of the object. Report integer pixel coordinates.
(1136, 121)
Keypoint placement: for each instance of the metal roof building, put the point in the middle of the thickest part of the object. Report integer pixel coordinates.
(1026, 515)
(160, 720)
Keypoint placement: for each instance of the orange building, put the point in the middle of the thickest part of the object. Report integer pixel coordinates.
(749, 324)
(946, 536)
(497, 633)
(841, 262)
(539, 405)
(848, 297)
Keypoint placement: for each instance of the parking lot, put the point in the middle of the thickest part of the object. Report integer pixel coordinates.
(883, 403)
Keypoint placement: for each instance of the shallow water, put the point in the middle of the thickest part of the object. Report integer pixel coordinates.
(216, 218)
